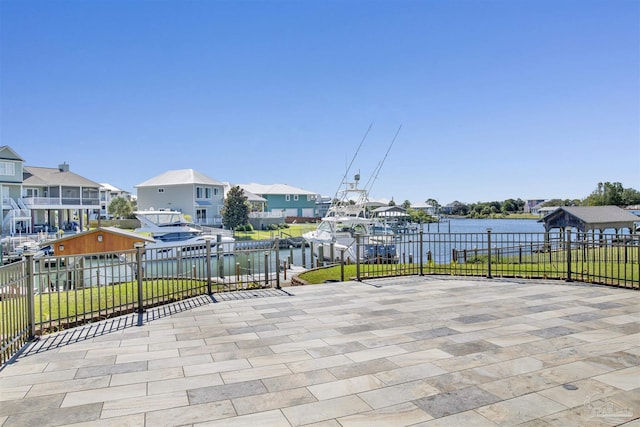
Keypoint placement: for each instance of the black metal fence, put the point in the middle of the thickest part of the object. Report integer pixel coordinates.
(39, 295)
(45, 294)
(610, 259)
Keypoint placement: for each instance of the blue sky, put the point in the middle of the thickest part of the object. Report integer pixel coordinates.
(496, 99)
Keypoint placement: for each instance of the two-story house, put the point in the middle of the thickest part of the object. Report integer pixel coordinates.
(107, 193)
(184, 190)
(37, 198)
(285, 199)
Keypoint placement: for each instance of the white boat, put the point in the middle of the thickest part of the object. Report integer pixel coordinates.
(175, 236)
(348, 216)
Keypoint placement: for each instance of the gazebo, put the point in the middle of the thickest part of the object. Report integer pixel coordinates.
(590, 218)
(391, 212)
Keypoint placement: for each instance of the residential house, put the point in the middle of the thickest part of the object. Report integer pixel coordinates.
(40, 198)
(426, 208)
(533, 206)
(186, 191)
(285, 200)
(107, 193)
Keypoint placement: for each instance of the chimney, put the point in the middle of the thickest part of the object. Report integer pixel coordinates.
(64, 167)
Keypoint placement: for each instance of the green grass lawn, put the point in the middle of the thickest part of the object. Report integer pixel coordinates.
(603, 265)
(294, 230)
(58, 310)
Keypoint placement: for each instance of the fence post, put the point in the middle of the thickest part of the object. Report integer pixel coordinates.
(421, 247)
(568, 249)
(358, 278)
(207, 239)
(266, 268)
(304, 250)
(31, 312)
(342, 264)
(139, 248)
(332, 255)
(220, 261)
(277, 245)
(489, 253)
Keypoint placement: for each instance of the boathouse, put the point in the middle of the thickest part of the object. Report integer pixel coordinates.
(99, 240)
(590, 218)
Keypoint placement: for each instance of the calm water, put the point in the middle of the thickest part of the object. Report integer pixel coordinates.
(465, 225)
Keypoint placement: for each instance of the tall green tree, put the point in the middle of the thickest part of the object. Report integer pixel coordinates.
(120, 207)
(607, 193)
(631, 196)
(406, 204)
(235, 211)
(435, 204)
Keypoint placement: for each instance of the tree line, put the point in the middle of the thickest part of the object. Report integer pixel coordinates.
(606, 194)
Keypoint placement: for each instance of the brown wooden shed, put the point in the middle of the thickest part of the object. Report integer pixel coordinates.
(590, 218)
(99, 240)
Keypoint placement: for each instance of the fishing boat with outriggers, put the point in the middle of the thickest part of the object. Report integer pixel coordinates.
(348, 217)
(349, 229)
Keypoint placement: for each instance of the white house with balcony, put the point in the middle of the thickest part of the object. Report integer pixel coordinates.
(184, 190)
(38, 198)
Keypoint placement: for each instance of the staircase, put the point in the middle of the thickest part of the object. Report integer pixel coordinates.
(18, 212)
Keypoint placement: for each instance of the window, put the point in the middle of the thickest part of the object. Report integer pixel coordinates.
(295, 197)
(215, 192)
(7, 169)
(203, 192)
(30, 192)
(160, 190)
(287, 197)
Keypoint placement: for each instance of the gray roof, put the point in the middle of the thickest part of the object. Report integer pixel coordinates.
(38, 177)
(590, 218)
(275, 189)
(251, 197)
(390, 211)
(179, 177)
(7, 153)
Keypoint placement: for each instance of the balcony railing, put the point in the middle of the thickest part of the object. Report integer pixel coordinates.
(266, 215)
(35, 202)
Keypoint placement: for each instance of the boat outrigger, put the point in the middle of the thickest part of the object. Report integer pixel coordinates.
(348, 216)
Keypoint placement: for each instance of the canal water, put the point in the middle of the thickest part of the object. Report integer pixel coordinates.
(471, 225)
(254, 260)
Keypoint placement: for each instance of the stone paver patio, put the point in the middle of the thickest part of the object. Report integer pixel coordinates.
(410, 351)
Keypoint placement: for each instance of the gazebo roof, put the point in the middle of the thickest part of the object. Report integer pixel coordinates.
(586, 218)
(390, 211)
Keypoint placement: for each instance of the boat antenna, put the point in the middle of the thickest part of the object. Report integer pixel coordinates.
(376, 171)
(346, 173)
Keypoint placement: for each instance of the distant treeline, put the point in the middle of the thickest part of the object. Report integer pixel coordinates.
(605, 194)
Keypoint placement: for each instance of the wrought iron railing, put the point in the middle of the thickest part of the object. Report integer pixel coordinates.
(49, 293)
(588, 257)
